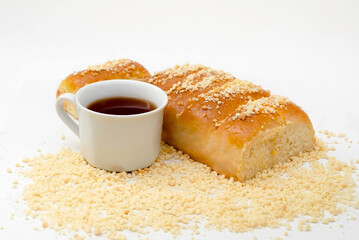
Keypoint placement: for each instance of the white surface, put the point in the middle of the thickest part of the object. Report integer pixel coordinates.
(306, 50)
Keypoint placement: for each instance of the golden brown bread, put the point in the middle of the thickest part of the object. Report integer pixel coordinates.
(234, 126)
(118, 69)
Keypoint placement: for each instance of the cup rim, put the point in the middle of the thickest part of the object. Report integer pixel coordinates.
(122, 81)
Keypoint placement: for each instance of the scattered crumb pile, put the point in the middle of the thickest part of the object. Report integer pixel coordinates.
(69, 194)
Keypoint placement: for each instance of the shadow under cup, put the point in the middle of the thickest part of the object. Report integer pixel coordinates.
(120, 142)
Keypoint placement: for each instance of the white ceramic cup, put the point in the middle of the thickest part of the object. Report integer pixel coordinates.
(116, 142)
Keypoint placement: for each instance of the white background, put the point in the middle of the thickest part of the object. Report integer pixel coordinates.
(306, 50)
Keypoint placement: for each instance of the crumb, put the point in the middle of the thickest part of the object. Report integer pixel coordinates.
(97, 232)
(17, 164)
(328, 220)
(45, 224)
(62, 137)
(9, 170)
(341, 135)
(117, 236)
(301, 225)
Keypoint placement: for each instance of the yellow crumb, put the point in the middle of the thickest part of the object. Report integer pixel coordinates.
(62, 137)
(341, 135)
(97, 232)
(45, 224)
(287, 226)
(301, 225)
(15, 181)
(314, 220)
(17, 164)
(116, 236)
(9, 170)
(307, 228)
(328, 220)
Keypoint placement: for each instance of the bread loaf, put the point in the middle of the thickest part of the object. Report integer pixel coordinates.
(234, 126)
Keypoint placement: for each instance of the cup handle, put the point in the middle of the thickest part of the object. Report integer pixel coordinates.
(65, 117)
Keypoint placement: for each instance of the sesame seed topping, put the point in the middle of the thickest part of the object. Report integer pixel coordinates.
(109, 65)
(264, 105)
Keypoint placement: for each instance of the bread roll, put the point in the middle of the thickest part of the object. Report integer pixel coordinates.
(118, 69)
(234, 126)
